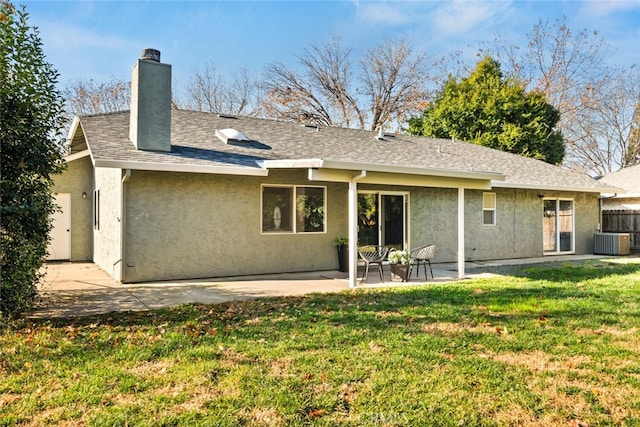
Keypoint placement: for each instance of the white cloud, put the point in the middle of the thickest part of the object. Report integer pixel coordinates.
(383, 12)
(463, 17)
(604, 8)
(62, 36)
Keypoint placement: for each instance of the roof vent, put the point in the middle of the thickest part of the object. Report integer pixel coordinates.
(229, 134)
(150, 55)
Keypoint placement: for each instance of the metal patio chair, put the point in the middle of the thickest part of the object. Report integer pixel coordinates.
(422, 255)
(373, 255)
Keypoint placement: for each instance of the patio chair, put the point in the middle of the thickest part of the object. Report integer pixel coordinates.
(422, 255)
(373, 255)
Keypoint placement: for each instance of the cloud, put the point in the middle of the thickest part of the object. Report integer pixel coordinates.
(67, 37)
(392, 13)
(463, 17)
(604, 8)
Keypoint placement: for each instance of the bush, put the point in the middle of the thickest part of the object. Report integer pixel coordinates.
(32, 116)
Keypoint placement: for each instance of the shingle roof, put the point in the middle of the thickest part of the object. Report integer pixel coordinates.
(627, 179)
(194, 143)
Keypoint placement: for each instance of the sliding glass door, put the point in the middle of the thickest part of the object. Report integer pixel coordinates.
(558, 223)
(382, 219)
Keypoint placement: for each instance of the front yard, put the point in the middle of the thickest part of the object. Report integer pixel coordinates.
(548, 345)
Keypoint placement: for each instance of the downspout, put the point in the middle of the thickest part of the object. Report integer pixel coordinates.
(123, 225)
(353, 228)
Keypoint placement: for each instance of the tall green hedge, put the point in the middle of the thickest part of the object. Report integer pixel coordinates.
(31, 121)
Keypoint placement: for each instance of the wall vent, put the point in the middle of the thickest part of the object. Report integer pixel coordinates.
(611, 244)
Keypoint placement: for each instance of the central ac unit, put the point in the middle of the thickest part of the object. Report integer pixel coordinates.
(611, 244)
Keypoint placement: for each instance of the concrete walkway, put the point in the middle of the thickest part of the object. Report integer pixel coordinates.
(82, 289)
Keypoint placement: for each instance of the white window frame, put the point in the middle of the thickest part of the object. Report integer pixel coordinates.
(292, 213)
(493, 209)
(407, 213)
(558, 233)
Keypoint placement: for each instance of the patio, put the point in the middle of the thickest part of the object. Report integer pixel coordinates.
(82, 289)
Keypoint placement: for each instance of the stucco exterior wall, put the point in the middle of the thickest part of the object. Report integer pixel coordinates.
(107, 238)
(518, 231)
(519, 226)
(76, 179)
(182, 225)
(587, 208)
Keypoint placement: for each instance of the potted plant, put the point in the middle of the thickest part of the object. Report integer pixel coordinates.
(342, 245)
(400, 261)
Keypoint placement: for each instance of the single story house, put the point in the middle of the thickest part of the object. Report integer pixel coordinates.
(157, 194)
(621, 209)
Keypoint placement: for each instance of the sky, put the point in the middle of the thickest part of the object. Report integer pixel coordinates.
(101, 40)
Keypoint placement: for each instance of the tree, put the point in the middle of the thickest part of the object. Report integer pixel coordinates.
(605, 136)
(89, 97)
(392, 79)
(32, 117)
(210, 91)
(490, 110)
(392, 85)
(570, 69)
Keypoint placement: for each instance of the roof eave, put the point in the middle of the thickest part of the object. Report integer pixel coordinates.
(177, 167)
(375, 167)
(551, 187)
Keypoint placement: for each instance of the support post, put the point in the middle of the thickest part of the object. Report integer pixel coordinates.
(461, 266)
(353, 228)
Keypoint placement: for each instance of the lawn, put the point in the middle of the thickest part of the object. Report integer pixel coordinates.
(549, 345)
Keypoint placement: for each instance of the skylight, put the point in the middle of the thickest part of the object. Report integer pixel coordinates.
(230, 134)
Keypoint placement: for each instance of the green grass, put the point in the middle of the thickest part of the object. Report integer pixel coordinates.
(546, 345)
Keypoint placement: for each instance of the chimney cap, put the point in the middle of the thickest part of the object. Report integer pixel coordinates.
(150, 54)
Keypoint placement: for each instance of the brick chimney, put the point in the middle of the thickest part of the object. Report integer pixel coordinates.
(150, 121)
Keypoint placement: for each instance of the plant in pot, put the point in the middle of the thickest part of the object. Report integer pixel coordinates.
(400, 262)
(342, 245)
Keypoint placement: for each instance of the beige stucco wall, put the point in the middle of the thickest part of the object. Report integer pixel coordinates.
(76, 179)
(200, 225)
(433, 219)
(518, 231)
(106, 239)
(181, 225)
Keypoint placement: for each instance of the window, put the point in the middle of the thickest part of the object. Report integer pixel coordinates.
(293, 209)
(489, 208)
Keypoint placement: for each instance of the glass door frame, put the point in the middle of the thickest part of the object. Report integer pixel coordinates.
(557, 226)
(380, 219)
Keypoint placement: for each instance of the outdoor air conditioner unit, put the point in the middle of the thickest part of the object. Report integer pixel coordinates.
(611, 244)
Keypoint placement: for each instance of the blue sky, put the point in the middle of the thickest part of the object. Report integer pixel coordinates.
(101, 40)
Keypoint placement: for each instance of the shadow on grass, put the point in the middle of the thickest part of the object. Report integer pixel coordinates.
(575, 271)
(542, 291)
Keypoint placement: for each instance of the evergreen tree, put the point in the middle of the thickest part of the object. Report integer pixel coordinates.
(31, 119)
(487, 109)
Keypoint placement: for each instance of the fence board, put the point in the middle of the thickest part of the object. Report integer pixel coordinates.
(623, 221)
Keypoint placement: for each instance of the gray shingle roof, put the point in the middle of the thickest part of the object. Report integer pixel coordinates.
(194, 143)
(627, 179)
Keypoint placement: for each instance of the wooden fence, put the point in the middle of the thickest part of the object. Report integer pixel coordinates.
(623, 221)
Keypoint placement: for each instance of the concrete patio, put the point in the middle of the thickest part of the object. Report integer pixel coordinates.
(81, 289)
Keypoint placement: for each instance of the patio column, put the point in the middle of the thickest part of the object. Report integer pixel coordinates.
(353, 228)
(461, 272)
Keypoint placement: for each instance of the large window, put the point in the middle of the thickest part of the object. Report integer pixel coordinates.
(293, 209)
(489, 208)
